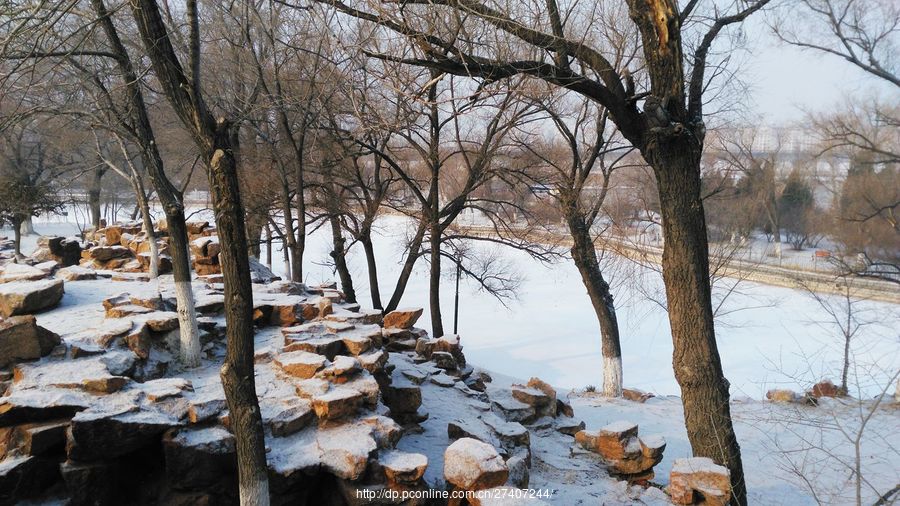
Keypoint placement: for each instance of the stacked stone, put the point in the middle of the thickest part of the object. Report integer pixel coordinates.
(699, 480)
(628, 456)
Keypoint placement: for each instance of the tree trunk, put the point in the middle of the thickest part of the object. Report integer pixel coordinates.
(339, 255)
(94, 197)
(434, 282)
(148, 229)
(27, 226)
(17, 236)
(704, 389)
(372, 267)
(184, 294)
(412, 255)
(584, 255)
(237, 373)
(300, 239)
(268, 246)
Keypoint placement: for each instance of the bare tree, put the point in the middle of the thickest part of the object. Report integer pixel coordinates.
(669, 132)
(217, 142)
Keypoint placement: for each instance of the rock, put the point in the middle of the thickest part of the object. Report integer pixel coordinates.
(346, 449)
(621, 449)
(402, 318)
(300, 364)
(65, 251)
(356, 344)
(564, 408)
(139, 341)
(21, 272)
(105, 384)
(403, 397)
(825, 388)
(513, 410)
(21, 338)
(29, 297)
(401, 468)
(312, 387)
(287, 417)
(511, 434)
(98, 435)
(107, 253)
(470, 464)
(199, 458)
(444, 360)
(699, 476)
(518, 466)
(568, 426)
(37, 439)
(633, 394)
(126, 310)
(25, 477)
(338, 403)
(164, 388)
(373, 361)
(542, 403)
(90, 483)
(473, 429)
(205, 408)
(76, 273)
(443, 380)
(329, 346)
(340, 370)
(782, 395)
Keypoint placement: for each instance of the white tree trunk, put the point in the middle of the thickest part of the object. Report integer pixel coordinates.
(27, 227)
(612, 376)
(256, 495)
(154, 259)
(187, 320)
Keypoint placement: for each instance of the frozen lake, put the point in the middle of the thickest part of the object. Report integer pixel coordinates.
(768, 336)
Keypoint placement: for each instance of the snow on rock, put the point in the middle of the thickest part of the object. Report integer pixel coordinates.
(21, 338)
(338, 403)
(346, 449)
(29, 297)
(402, 468)
(470, 464)
(300, 364)
(76, 273)
(699, 479)
(403, 318)
(21, 272)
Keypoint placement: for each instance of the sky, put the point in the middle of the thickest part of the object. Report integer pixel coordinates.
(787, 81)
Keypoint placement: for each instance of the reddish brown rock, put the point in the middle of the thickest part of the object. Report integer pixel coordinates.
(21, 338)
(402, 318)
(699, 480)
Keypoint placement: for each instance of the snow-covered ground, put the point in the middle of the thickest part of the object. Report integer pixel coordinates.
(769, 337)
(549, 332)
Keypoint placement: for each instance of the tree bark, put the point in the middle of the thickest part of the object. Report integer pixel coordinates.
(94, 197)
(27, 226)
(584, 255)
(237, 373)
(372, 267)
(148, 228)
(17, 236)
(434, 281)
(698, 369)
(338, 253)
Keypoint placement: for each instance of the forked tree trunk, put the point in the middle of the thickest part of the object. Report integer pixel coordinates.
(338, 253)
(412, 255)
(584, 255)
(704, 389)
(237, 373)
(189, 345)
